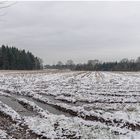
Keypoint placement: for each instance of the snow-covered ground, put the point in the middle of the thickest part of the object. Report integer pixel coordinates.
(73, 104)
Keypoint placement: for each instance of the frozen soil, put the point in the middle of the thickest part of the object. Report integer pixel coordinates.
(14, 130)
(65, 104)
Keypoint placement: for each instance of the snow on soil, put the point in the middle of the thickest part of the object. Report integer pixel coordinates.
(59, 126)
(9, 112)
(56, 126)
(111, 96)
(33, 106)
(3, 134)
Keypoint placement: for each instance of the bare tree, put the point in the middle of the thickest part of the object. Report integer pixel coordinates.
(93, 62)
(124, 60)
(138, 60)
(69, 62)
(59, 63)
(6, 4)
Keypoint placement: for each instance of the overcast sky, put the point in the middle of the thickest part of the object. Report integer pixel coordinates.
(73, 30)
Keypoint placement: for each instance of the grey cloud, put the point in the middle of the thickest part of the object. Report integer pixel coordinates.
(74, 30)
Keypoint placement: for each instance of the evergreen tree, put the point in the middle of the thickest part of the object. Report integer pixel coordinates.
(15, 59)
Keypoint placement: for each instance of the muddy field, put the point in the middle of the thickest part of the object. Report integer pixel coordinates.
(65, 104)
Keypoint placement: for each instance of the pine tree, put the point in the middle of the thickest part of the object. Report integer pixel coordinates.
(15, 59)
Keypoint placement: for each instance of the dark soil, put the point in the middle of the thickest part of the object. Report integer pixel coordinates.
(14, 130)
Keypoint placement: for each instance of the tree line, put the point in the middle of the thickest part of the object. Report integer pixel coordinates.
(12, 58)
(96, 65)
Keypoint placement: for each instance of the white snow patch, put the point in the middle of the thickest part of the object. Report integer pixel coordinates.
(3, 134)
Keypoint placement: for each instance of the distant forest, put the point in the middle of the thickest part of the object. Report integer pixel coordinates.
(12, 58)
(96, 65)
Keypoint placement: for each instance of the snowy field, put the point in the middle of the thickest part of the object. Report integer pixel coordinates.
(65, 104)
